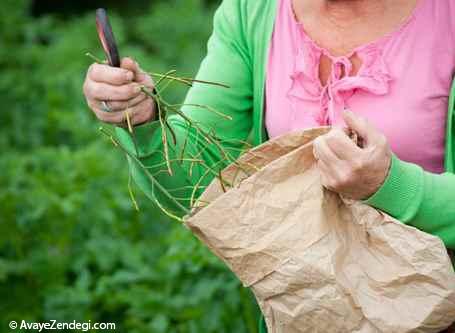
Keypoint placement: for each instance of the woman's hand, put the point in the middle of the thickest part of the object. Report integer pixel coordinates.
(111, 91)
(353, 171)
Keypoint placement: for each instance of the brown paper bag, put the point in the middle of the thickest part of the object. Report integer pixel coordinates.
(318, 263)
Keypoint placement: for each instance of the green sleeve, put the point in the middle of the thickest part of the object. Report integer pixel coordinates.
(420, 199)
(227, 61)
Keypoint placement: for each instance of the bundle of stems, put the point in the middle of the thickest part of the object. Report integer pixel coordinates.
(169, 141)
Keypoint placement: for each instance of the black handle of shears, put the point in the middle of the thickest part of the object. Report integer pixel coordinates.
(107, 37)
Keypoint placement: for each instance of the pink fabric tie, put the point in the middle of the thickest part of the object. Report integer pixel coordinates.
(373, 77)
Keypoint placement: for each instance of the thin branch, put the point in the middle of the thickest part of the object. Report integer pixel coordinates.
(147, 173)
(187, 80)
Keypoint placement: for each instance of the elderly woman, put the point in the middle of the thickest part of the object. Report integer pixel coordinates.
(383, 68)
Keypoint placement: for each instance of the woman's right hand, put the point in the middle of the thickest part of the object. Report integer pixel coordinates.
(120, 90)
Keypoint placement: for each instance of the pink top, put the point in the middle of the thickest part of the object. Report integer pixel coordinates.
(402, 86)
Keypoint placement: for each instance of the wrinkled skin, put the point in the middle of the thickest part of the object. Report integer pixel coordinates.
(121, 89)
(353, 171)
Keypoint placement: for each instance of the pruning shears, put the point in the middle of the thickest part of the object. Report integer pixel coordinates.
(107, 38)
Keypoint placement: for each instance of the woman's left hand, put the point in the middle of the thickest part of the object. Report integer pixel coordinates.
(352, 171)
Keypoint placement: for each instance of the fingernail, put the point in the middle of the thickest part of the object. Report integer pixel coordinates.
(137, 89)
(129, 76)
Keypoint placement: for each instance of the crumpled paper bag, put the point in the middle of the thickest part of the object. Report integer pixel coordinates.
(316, 262)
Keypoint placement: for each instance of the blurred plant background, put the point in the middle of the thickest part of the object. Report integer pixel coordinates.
(72, 247)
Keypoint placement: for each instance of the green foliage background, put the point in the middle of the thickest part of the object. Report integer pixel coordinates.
(72, 247)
